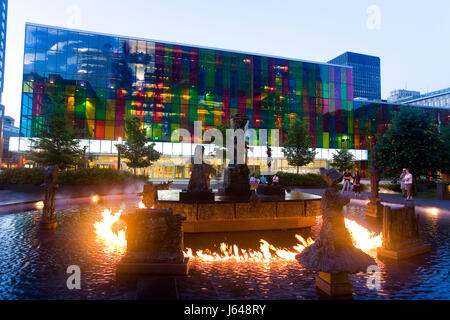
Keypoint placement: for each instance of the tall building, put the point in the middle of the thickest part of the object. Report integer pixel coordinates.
(3, 25)
(401, 94)
(440, 98)
(366, 74)
(171, 86)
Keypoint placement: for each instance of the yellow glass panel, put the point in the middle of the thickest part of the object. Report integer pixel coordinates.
(91, 127)
(110, 109)
(71, 104)
(28, 87)
(326, 139)
(109, 130)
(90, 108)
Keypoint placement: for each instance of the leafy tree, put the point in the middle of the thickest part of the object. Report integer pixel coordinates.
(445, 150)
(137, 149)
(342, 160)
(412, 141)
(297, 148)
(57, 143)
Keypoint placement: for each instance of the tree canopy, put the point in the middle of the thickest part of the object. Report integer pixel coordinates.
(137, 149)
(342, 160)
(412, 141)
(57, 143)
(298, 147)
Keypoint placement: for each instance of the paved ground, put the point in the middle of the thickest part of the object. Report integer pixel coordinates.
(420, 202)
(9, 197)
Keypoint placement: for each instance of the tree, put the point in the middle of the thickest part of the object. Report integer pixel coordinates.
(57, 143)
(412, 141)
(297, 148)
(342, 160)
(445, 150)
(137, 149)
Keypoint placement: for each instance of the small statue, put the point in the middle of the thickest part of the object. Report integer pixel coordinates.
(150, 193)
(200, 178)
(48, 216)
(334, 252)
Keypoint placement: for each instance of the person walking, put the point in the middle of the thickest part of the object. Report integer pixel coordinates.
(402, 182)
(409, 184)
(357, 184)
(347, 178)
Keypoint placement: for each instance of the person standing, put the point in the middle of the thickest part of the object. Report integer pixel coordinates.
(402, 182)
(408, 184)
(357, 184)
(347, 178)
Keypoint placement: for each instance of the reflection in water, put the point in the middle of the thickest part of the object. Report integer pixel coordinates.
(33, 263)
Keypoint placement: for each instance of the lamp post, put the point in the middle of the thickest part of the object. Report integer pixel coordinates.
(118, 155)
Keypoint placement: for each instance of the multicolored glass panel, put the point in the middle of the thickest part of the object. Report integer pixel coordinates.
(170, 86)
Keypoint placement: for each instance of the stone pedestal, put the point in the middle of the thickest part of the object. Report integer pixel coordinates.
(48, 225)
(236, 182)
(154, 244)
(197, 196)
(401, 238)
(334, 285)
(375, 209)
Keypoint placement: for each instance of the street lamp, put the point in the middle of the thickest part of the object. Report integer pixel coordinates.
(118, 157)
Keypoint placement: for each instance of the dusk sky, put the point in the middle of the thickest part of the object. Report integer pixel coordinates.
(410, 37)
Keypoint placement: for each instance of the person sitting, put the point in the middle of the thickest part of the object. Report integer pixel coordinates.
(263, 180)
(254, 182)
(275, 179)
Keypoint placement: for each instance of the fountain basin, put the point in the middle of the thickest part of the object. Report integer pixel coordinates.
(295, 210)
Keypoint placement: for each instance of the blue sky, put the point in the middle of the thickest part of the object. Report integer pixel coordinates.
(410, 37)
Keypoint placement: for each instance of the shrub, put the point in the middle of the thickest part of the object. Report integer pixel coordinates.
(391, 186)
(97, 176)
(22, 176)
(309, 179)
(91, 176)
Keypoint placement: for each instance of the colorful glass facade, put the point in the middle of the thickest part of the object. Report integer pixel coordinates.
(170, 86)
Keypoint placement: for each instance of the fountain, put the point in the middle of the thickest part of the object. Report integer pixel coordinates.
(333, 254)
(48, 215)
(374, 207)
(235, 207)
(401, 237)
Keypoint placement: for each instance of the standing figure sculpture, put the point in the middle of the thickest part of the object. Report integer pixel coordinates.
(199, 188)
(48, 216)
(236, 183)
(333, 254)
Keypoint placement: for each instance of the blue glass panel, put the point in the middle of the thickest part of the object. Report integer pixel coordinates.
(30, 37)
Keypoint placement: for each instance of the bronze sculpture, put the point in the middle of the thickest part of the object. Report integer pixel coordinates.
(333, 254)
(48, 215)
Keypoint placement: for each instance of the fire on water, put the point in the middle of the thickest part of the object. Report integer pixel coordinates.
(362, 238)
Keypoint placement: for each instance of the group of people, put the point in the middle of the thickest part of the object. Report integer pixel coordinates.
(263, 180)
(406, 183)
(350, 185)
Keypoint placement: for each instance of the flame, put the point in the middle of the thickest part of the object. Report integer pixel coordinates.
(142, 205)
(39, 205)
(95, 199)
(104, 229)
(362, 238)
